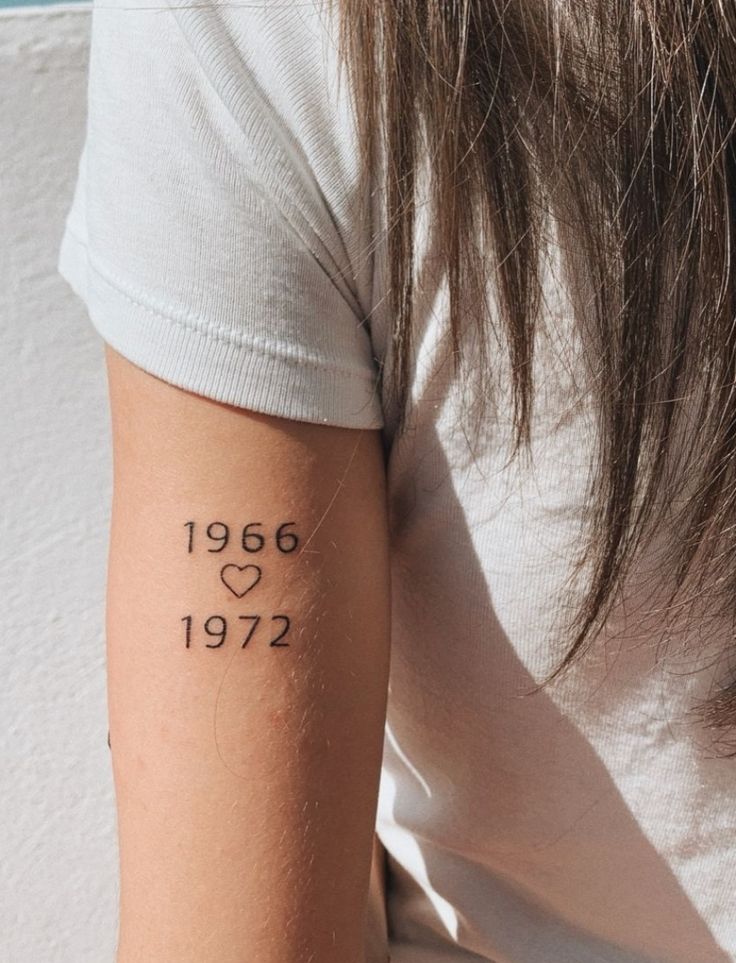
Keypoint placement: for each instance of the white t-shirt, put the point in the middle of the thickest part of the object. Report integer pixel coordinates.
(219, 240)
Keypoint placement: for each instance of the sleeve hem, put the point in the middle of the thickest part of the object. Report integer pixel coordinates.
(204, 362)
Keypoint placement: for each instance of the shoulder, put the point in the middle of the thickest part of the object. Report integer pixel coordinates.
(216, 233)
(268, 70)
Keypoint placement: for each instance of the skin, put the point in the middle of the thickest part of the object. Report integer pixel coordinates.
(246, 777)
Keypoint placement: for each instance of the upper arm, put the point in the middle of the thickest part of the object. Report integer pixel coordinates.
(246, 772)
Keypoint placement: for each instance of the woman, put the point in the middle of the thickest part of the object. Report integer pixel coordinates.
(422, 393)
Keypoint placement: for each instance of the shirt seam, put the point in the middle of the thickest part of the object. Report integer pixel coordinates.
(211, 331)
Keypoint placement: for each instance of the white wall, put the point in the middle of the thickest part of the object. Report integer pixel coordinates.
(58, 859)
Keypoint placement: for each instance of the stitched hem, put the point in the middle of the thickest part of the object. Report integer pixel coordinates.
(209, 328)
(202, 360)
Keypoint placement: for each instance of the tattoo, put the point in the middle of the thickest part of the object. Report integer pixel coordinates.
(232, 579)
(239, 580)
(250, 541)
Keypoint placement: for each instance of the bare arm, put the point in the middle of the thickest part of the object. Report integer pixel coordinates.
(246, 704)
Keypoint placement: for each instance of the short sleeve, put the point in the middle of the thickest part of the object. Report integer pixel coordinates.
(216, 234)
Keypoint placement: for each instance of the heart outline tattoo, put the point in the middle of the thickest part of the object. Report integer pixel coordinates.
(241, 569)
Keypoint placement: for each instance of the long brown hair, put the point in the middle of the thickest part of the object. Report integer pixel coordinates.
(626, 108)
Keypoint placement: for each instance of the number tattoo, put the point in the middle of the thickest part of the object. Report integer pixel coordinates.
(239, 580)
(286, 542)
(222, 631)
